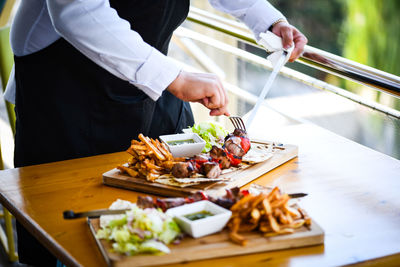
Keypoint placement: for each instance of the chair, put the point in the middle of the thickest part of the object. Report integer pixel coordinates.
(6, 63)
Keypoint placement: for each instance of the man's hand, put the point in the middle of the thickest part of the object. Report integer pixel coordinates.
(204, 88)
(290, 34)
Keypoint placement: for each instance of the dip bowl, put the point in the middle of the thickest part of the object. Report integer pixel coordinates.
(183, 145)
(200, 227)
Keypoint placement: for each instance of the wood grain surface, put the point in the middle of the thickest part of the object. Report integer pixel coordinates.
(238, 178)
(353, 195)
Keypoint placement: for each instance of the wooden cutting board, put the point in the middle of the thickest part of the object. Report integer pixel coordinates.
(212, 246)
(239, 178)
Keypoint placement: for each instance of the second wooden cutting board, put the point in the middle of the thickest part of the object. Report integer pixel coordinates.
(212, 246)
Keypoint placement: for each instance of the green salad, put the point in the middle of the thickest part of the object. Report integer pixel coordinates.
(211, 132)
(139, 230)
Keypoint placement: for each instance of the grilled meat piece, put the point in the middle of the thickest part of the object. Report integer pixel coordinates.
(240, 133)
(211, 169)
(183, 169)
(233, 193)
(168, 203)
(218, 155)
(226, 203)
(162, 203)
(145, 202)
(236, 146)
(231, 197)
(217, 152)
(199, 160)
(233, 146)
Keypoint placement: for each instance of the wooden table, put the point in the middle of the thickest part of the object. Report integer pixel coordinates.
(354, 194)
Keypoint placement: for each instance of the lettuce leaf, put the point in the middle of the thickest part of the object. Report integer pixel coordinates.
(140, 231)
(153, 246)
(211, 132)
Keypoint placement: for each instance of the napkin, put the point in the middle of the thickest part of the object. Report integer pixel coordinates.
(273, 44)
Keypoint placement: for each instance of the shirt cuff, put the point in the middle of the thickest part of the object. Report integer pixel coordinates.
(156, 74)
(261, 16)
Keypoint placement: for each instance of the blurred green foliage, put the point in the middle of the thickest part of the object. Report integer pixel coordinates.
(371, 34)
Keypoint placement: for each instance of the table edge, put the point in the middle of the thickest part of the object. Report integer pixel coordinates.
(41, 235)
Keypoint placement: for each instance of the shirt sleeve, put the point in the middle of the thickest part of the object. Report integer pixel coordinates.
(10, 91)
(258, 15)
(96, 30)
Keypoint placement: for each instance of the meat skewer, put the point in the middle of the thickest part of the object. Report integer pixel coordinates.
(231, 197)
(235, 147)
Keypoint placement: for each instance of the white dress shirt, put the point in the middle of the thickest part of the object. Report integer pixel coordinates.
(96, 30)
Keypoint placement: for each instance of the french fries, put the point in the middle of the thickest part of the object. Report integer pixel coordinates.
(150, 159)
(269, 213)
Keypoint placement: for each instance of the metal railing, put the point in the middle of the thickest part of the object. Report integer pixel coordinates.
(313, 57)
(183, 35)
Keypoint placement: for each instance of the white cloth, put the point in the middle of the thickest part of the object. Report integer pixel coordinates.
(273, 44)
(96, 30)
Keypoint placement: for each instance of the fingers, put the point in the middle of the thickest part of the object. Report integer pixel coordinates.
(215, 98)
(219, 112)
(218, 108)
(225, 96)
(290, 35)
(204, 88)
(204, 101)
(287, 37)
(300, 41)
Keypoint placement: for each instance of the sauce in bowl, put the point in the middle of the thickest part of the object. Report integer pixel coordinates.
(180, 142)
(198, 215)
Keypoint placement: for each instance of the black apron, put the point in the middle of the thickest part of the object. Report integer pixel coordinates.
(68, 107)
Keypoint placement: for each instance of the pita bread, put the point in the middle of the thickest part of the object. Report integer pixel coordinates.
(199, 180)
(257, 153)
(172, 182)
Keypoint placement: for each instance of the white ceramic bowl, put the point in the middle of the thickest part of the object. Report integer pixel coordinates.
(200, 227)
(184, 150)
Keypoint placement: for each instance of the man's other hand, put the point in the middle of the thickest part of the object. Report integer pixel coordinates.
(290, 34)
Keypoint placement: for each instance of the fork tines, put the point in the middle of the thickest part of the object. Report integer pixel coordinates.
(238, 123)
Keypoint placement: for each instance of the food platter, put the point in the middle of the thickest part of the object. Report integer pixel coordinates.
(259, 222)
(212, 246)
(279, 154)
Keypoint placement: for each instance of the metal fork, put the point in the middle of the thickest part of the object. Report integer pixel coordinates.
(238, 123)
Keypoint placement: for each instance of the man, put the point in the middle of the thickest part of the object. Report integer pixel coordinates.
(90, 75)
